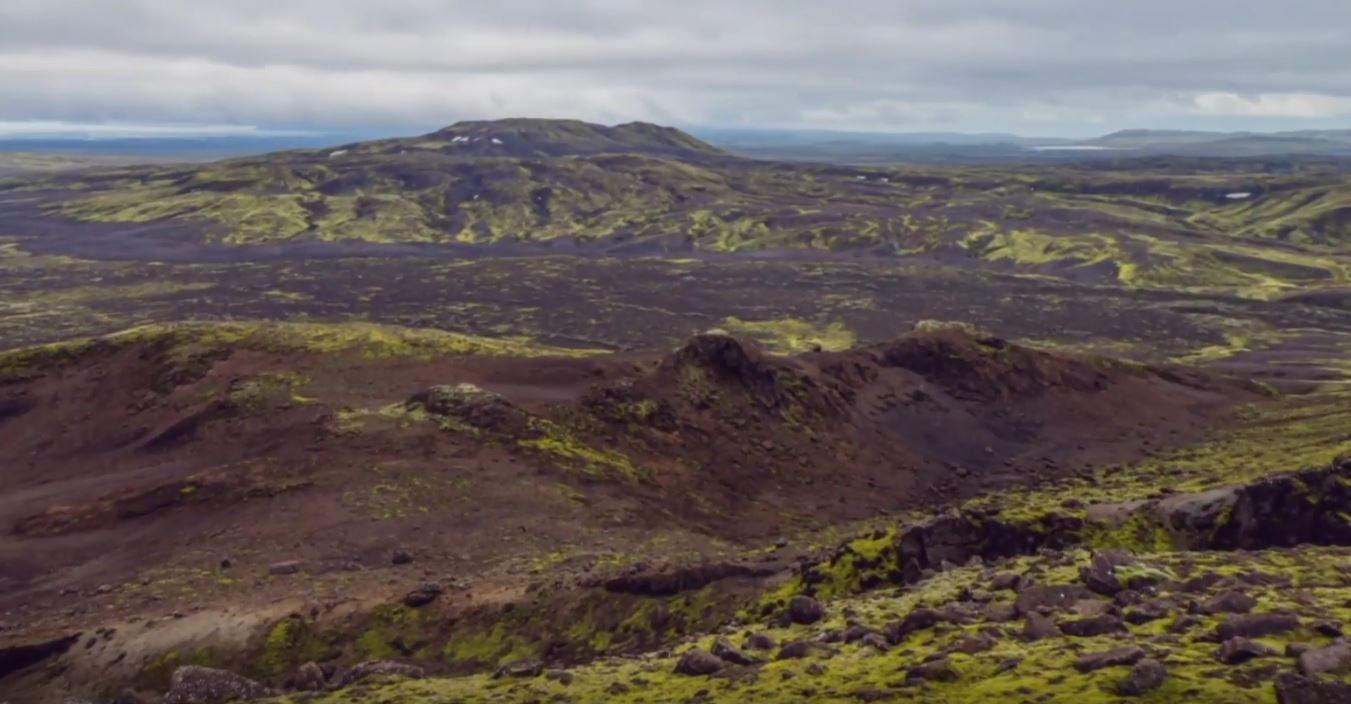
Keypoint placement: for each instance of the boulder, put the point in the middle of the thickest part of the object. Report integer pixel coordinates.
(795, 650)
(960, 613)
(1000, 613)
(698, 663)
(1335, 659)
(376, 668)
(759, 641)
(855, 633)
(1294, 650)
(1184, 623)
(309, 678)
(971, 644)
(832, 635)
(1116, 657)
(1328, 629)
(1152, 610)
(1050, 596)
(1128, 597)
(1039, 627)
(1294, 689)
(1306, 507)
(1100, 574)
(1256, 625)
(1006, 580)
(939, 670)
(724, 650)
(1230, 602)
(1236, 651)
(521, 669)
(472, 405)
(805, 610)
(1146, 676)
(423, 595)
(192, 684)
(284, 567)
(1093, 626)
(1091, 607)
(876, 641)
(917, 620)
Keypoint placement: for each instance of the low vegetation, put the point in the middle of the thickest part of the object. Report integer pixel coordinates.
(514, 184)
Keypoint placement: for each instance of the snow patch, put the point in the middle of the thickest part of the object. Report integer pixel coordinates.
(1242, 195)
(336, 154)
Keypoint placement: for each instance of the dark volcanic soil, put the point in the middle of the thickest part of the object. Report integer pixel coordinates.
(136, 474)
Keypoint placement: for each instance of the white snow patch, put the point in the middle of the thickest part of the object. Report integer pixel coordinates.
(496, 140)
(1241, 195)
(335, 155)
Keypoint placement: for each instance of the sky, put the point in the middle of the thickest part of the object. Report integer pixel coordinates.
(1032, 67)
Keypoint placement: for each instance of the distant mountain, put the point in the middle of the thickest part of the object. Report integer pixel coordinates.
(544, 138)
(535, 138)
(873, 147)
(746, 136)
(939, 147)
(1229, 144)
(535, 186)
(174, 148)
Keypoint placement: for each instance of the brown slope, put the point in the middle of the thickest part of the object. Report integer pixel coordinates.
(151, 467)
(718, 417)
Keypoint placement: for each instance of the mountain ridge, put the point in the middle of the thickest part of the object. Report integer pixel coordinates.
(538, 137)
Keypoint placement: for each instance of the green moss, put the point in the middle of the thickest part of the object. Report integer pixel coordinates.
(1044, 670)
(393, 632)
(290, 643)
(861, 563)
(1139, 533)
(185, 342)
(564, 447)
(494, 646)
(156, 671)
(791, 335)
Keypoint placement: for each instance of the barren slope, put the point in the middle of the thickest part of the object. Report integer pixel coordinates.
(169, 469)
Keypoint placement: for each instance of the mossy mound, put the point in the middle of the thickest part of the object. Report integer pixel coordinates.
(976, 631)
(190, 342)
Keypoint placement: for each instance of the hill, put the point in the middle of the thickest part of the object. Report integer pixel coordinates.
(185, 480)
(1255, 228)
(1230, 144)
(523, 138)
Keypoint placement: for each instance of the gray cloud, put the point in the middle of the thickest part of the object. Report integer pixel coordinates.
(1028, 65)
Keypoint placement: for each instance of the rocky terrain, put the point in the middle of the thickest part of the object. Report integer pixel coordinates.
(384, 512)
(543, 411)
(1256, 227)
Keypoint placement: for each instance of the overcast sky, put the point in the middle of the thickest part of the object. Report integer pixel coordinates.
(1039, 67)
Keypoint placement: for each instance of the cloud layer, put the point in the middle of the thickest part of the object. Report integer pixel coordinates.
(1042, 66)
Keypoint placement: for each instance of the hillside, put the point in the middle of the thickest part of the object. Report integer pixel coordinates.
(533, 186)
(1229, 144)
(237, 460)
(274, 501)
